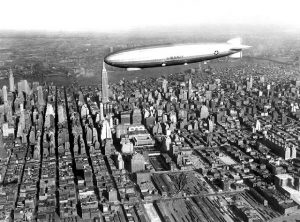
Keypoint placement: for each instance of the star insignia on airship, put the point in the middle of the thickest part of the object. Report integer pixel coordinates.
(216, 52)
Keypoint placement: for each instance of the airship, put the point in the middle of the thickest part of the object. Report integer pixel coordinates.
(174, 54)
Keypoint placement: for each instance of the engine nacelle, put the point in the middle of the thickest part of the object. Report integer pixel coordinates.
(133, 69)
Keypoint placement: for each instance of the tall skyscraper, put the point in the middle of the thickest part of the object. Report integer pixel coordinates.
(101, 112)
(258, 125)
(251, 81)
(61, 114)
(165, 85)
(21, 125)
(4, 92)
(120, 162)
(41, 101)
(104, 85)
(190, 88)
(26, 86)
(23, 87)
(11, 81)
(49, 115)
(3, 153)
(166, 143)
(89, 135)
(105, 131)
(210, 126)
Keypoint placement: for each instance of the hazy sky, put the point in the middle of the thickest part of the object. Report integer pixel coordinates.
(114, 15)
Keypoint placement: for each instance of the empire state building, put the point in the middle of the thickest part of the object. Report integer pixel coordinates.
(104, 85)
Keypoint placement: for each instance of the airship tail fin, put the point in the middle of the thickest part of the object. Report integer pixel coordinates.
(236, 45)
(235, 41)
(237, 55)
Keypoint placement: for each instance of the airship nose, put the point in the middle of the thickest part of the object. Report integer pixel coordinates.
(108, 60)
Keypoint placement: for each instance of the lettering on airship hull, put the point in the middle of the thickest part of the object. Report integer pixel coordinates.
(174, 57)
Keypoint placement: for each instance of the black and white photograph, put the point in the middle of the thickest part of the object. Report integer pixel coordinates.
(149, 111)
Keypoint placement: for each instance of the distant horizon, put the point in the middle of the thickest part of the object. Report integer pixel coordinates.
(164, 29)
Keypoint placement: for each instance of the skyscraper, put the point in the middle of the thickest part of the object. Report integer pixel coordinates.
(210, 126)
(11, 81)
(23, 87)
(3, 153)
(26, 87)
(61, 114)
(204, 113)
(105, 131)
(41, 101)
(112, 195)
(165, 85)
(21, 125)
(251, 81)
(120, 162)
(104, 85)
(137, 163)
(49, 115)
(4, 92)
(258, 125)
(166, 143)
(190, 88)
(89, 135)
(136, 116)
(84, 110)
(101, 112)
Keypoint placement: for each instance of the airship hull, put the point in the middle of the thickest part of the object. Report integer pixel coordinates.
(169, 55)
(162, 62)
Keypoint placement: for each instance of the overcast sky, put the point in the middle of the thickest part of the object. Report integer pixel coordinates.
(114, 15)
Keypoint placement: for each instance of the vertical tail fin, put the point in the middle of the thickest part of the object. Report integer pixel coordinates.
(236, 42)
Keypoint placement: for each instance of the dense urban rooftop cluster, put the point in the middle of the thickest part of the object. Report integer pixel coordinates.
(210, 144)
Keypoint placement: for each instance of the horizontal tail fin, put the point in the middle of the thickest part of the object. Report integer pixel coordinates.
(237, 55)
